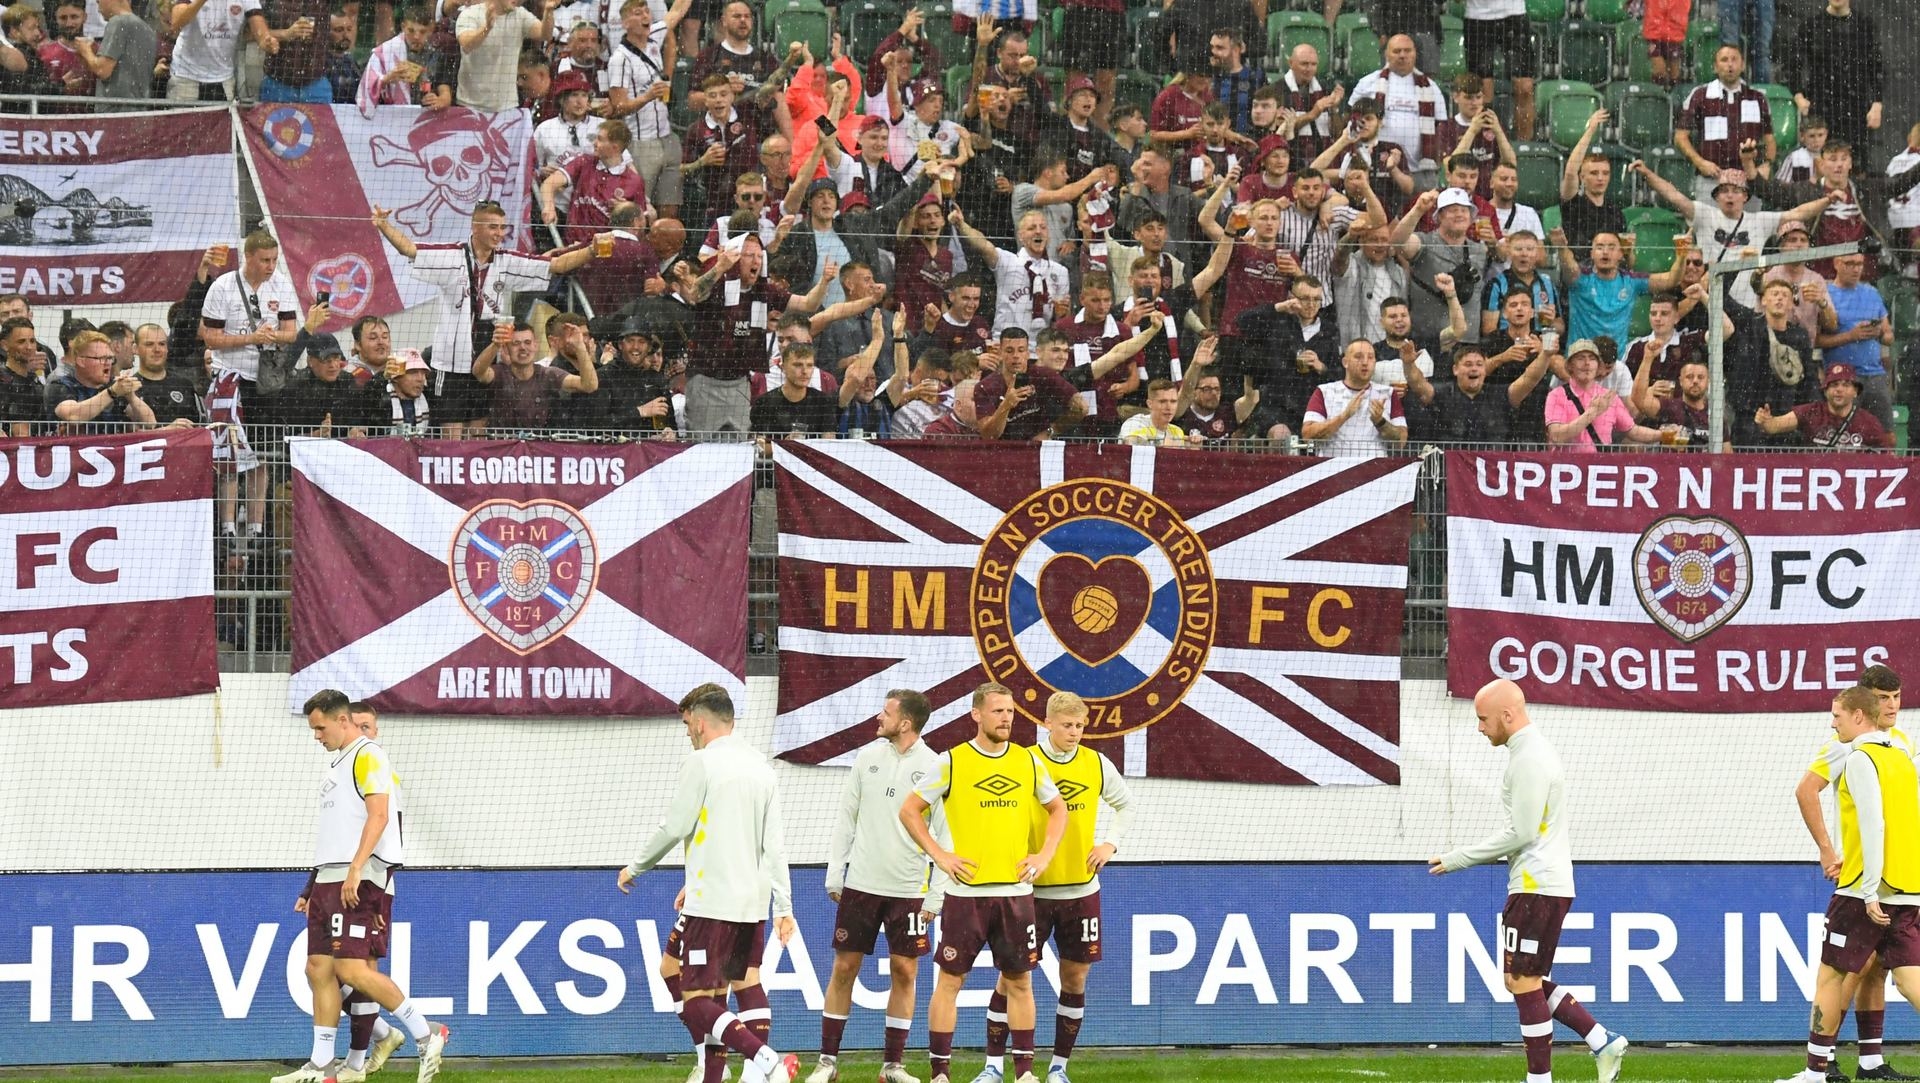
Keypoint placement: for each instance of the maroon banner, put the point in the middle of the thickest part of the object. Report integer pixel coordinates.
(447, 577)
(1680, 581)
(106, 568)
(113, 208)
(1226, 617)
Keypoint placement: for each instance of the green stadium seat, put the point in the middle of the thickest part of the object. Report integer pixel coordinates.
(865, 25)
(1359, 49)
(1453, 53)
(678, 111)
(1150, 44)
(1654, 229)
(959, 84)
(769, 12)
(1539, 166)
(1703, 40)
(1605, 11)
(1673, 167)
(1044, 38)
(939, 31)
(1642, 115)
(808, 21)
(1902, 303)
(1630, 52)
(1586, 51)
(1786, 115)
(1132, 87)
(1546, 11)
(1564, 107)
(1640, 324)
(1288, 29)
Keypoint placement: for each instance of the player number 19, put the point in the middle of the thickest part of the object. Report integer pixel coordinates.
(1089, 930)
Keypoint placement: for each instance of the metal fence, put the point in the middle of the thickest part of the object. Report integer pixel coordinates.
(251, 591)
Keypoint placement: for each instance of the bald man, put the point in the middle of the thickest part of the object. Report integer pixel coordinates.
(1539, 882)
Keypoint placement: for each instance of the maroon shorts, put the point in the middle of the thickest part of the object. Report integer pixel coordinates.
(857, 924)
(1852, 938)
(715, 954)
(1673, 52)
(1003, 923)
(1530, 931)
(1900, 940)
(1072, 924)
(347, 932)
(377, 940)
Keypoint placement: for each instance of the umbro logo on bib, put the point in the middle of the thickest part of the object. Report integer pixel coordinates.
(997, 785)
(1070, 789)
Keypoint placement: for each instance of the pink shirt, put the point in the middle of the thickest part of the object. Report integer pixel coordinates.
(1561, 409)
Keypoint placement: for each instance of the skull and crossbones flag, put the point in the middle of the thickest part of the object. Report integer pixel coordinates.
(321, 169)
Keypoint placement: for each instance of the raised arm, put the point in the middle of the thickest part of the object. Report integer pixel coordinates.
(1125, 351)
(975, 240)
(1209, 216)
(1530, 377)
(1675, 198)
(401, 243)
(1570, 176)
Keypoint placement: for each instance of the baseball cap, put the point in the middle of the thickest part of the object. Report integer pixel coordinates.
(325, 346)
(1839, 373)
(855, 198)
(1077, 84)
(920, 89)
(570, 82)
(1453, 197)
(1580, 346)
(1792, 225)
(1732, 178)
(412, 359)
(822, 185)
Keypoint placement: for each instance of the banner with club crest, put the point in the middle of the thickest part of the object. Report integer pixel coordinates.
(451, 577)
(1226, 617)
(1680, 582)
(322, 169)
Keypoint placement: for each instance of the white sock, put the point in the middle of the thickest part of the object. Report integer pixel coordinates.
(323, 1043)
(766, 1060)
(411, 1018)
(356, 1059)
(380, 1028)
(1057, 1062)
(1597, 1038)
(998, 1064)
(1539, 1077)
(1870, 1061)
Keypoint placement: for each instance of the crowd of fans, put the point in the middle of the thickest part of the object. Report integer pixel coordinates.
(827, 245)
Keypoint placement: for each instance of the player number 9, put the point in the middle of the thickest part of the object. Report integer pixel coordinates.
(337, 924)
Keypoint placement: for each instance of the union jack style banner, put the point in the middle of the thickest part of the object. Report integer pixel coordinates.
(449, 577)
(1227, 617)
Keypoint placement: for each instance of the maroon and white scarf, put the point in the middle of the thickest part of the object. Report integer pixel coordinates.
(1430, 148)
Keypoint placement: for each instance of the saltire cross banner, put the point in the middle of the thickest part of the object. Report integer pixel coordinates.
(459, 577)
(1227, 617)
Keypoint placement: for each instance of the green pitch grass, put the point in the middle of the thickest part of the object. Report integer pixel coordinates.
(1571, 1063)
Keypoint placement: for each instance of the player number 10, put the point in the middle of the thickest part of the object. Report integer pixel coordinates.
(1511, 937)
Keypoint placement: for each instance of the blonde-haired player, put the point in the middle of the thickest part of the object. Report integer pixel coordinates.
(1875, 910)
(1870, 997)
(1066, 895)
(990, 793)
